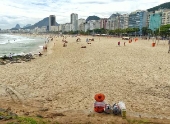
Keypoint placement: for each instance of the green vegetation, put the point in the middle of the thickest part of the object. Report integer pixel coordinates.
(35, 120)
(162, 6)
(117, 32)
(27, 120)
(164, 30)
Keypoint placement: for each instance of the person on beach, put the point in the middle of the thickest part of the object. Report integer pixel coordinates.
(45, 47)
(169, 45)
(119, 43)
(10, 56)
(40, 54)
(87, 40)
(64, 45)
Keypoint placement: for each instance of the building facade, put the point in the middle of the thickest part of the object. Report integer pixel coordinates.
(155, 20)
(166, 16)
(80, 23)
(74, 21)
(137, 19)
(125, 21)
(52, 21)
(103, 23)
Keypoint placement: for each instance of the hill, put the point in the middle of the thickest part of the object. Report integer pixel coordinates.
(28, 25)
(17, 27)
(44, 22)
(92, 18)
(162, 6)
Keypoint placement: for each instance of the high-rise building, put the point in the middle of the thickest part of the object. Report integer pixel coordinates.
(52, 21)
(67, 27)
(166, 17)
(103, 23)
(112, 21)
(74, 21)
(138, 19)
(80, 22)
(125, 18)
(155, 20)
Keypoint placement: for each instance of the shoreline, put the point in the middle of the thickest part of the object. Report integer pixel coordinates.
(29, 55)
(32, 49)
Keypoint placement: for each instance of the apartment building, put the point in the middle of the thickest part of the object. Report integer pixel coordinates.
(166, 16)
(74, 21)
(137, 19)
(155, 20)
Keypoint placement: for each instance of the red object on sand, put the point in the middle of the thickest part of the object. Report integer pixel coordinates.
(153, 44)
(99, 97)
(99, 107)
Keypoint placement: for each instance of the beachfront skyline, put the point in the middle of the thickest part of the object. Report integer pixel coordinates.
(25, 12)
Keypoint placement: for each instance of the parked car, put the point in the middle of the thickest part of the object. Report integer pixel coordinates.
(125, 38)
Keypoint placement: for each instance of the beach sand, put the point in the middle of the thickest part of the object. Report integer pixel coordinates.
(65, 79)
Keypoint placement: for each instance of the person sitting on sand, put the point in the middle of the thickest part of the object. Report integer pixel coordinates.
(40, 54)
(64, 45)
(10, 56)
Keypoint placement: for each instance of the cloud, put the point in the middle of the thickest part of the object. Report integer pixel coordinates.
(25, 12)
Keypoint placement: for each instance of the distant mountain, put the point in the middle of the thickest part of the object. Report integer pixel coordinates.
(28, 25)
(92, 18)
(44, 22)
(162, 6)
(17, 27)
(114, 15)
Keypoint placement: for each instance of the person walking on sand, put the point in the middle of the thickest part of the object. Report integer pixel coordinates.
(87, 40)
(119, 43)
(169, 45)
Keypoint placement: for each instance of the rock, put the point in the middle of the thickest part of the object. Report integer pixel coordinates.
(2, 63)
(1, 117)
(48, 99)
(43, 109)
(40, 116)
(26, 113)
(2, 110)
(55, 114)
(13, 114)
(83, 47)
(7, 118)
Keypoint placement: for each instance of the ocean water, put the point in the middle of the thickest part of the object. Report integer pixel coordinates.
(19, 45)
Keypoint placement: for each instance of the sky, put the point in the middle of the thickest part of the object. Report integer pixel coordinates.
(25, 12)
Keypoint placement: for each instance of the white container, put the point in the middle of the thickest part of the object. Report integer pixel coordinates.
(122, 108)
(101, 104)
(122, 105)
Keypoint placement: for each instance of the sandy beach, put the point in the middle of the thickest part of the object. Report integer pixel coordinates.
(65, 79)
